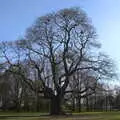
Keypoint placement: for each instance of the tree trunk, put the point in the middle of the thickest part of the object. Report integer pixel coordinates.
(87, 104)
(37, 103)
(55, 106)
(95, 103)
(79, 104)
(18, 106)
(73, 104)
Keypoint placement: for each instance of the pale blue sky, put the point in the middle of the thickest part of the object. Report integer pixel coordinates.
(17, 15)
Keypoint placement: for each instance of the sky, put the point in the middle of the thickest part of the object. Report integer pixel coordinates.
(17, 15)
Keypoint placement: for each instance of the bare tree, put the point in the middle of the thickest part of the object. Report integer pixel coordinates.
(57, 46)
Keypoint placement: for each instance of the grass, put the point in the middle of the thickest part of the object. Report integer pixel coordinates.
(75, 116)
(22, 114)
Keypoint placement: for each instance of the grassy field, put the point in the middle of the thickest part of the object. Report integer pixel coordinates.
(81, 116)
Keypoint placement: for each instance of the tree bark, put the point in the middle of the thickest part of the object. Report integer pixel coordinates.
(79, 104)
(87, 104)
(55, 106)
(73, 104)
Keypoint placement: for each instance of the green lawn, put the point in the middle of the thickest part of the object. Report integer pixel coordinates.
(81, 116)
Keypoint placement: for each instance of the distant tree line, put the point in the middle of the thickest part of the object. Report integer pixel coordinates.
(16, 95)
